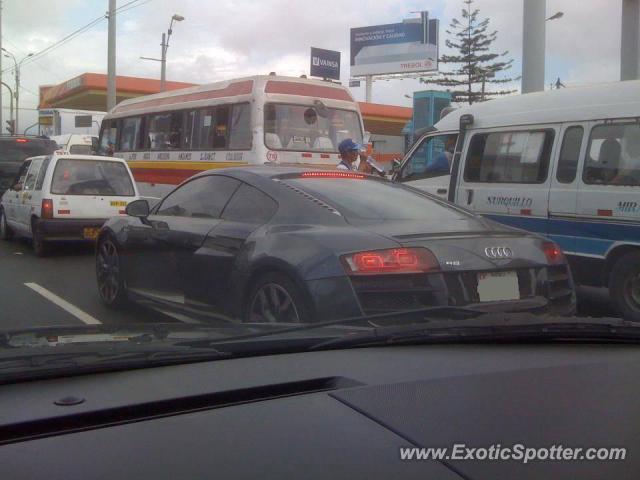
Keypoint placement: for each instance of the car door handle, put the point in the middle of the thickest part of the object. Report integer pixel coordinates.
(469, 196)
(441, 191)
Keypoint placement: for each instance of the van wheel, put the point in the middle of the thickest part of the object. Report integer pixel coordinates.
(274, 298)
(624, 286)
(37, 242)
(5, 231)
(111, 285)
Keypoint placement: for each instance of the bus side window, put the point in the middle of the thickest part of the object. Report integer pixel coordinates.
(190, 132)
(240, 135)
(221, 127)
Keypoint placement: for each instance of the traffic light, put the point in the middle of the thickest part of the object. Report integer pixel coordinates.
(11, 126)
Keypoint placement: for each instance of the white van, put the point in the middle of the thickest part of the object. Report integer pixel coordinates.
(65, 198)
(75, 144)
(563, 163)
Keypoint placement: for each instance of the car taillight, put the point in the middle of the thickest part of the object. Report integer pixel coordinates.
(21, 140)
(553, 253)
(47, 208)
(394, 260)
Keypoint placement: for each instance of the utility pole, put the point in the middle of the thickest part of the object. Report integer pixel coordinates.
(10, 101)
(533, 45)
(630, 40)
(111, 56)
(163, 62)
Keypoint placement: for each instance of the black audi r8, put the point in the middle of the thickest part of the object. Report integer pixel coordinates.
(276, 244)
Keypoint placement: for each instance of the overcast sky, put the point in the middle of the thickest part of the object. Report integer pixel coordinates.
(222, 39)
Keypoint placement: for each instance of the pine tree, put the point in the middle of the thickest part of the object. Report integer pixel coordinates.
(474, 66)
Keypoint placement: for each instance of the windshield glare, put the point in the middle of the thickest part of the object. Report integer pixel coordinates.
(300, 127)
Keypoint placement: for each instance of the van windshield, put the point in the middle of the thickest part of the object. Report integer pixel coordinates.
(305, 128)
(91, 177)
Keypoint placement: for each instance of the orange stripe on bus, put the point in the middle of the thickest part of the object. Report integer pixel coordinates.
(237, 88)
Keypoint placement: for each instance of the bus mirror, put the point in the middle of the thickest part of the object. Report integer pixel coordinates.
(95, 145)
(466, 121)
(367, 138)
(321, 108)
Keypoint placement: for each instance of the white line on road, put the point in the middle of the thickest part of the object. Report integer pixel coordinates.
(72, 309)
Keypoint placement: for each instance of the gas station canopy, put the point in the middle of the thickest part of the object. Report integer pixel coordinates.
(89, 91)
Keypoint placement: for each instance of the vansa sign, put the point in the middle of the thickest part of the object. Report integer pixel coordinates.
(325, 63)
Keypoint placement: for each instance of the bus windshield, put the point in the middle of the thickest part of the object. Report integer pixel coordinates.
(307, 128)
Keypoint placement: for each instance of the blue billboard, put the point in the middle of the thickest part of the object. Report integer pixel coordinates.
(325, 63)
(409, 46)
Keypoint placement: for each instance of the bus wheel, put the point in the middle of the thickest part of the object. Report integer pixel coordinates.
(624, 286)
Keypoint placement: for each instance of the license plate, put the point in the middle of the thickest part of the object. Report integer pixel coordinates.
(114, 203)
(497, 286)
(90, 233)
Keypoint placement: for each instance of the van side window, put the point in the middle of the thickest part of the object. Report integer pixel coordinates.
(432, 158)
(569, 155)
(613, 155)
(509, 157)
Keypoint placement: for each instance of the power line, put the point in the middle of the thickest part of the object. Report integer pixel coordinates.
(79, 31)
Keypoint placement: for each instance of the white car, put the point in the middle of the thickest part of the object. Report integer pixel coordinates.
(65, 198)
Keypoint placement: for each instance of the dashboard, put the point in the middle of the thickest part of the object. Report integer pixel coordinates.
(329, 414)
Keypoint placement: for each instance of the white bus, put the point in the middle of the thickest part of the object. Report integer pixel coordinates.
(564, 163)
(170, 136)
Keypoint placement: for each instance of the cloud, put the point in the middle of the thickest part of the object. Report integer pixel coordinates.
(232, 38)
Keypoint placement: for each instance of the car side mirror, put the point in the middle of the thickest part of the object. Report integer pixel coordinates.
(138, 209)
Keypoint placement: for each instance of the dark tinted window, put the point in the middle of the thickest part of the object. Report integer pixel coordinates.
(80, 149)
(203, 197)
(372, 200)
(250, 205)
(569, 155)
(509, 157)
(91, 177)
(18, 149)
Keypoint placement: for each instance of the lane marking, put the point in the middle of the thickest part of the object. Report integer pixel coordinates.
(72, 309)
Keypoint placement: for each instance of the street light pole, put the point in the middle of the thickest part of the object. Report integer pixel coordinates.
(165, 45)
(16, 93)
(10, 102)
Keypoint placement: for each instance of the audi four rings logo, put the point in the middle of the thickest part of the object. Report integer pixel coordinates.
(498, 252)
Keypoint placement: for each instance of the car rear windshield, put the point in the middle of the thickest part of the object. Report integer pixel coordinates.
(366, 200)
(80, 149)
(91, 177)
(18, 149)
